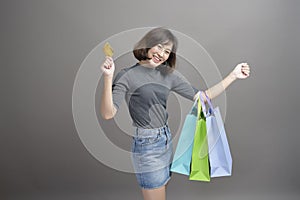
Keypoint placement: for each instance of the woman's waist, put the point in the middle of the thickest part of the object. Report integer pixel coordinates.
(148, 132)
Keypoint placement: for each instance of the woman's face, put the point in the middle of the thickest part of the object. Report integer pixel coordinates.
(159, 54)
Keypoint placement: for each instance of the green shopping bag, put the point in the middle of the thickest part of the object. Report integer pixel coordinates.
(200, 163)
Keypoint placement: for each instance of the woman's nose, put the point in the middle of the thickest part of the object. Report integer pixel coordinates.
(161, 53)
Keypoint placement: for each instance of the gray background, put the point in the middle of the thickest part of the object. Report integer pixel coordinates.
(43, 44)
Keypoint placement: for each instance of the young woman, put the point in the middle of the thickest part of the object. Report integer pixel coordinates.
(145, 87)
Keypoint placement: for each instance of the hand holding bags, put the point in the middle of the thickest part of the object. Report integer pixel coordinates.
(200, 164)
(182, 157)
(219, 152)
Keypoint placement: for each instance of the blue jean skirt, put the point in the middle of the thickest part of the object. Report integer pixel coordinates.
(152, 156)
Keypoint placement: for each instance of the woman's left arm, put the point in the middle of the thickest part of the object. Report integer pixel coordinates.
(241, 71)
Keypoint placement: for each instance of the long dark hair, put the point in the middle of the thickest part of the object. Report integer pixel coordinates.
(154, 37)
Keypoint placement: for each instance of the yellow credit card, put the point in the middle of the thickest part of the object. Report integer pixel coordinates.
(107, 49)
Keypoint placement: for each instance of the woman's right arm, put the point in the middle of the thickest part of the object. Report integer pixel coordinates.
(107, 107)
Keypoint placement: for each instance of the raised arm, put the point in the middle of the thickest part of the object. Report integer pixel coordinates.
(107, 107)
(241, 71)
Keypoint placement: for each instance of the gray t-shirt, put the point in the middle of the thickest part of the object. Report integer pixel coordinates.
(146, 91)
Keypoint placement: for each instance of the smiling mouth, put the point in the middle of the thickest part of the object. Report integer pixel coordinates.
(156, 59)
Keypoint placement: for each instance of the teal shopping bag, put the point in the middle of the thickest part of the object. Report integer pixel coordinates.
(183, 153)
(218, 148)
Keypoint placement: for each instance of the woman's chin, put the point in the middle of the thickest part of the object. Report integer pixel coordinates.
(155, 64)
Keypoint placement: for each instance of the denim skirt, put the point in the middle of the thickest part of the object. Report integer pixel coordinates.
(152, 156)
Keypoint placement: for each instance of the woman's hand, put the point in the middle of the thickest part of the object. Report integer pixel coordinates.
(107, 108)
(241, 71)
(108, 67)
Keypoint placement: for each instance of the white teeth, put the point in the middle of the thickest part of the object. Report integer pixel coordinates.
(156, 59)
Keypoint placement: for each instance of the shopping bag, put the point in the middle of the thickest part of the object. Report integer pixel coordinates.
(218, 148)
(200, 163)
(183, 153)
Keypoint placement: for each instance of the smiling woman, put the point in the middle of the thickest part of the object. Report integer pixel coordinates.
(158, 54)
(146, 86)
(158, 46)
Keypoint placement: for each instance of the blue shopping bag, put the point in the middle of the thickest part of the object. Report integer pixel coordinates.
(183, 153)
(218, 148)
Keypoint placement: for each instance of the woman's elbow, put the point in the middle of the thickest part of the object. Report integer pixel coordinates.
(107, 116)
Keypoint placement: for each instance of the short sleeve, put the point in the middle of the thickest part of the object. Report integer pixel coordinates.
(181, 86)
(119, 89)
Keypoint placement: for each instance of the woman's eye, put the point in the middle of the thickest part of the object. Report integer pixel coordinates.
(159, 46)
(167, 52)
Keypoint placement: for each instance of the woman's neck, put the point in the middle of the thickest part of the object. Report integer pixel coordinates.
(145, 63)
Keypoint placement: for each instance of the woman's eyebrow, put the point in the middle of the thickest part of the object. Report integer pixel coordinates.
(166, 48)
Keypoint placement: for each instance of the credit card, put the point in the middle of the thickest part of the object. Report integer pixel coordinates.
(107, 49)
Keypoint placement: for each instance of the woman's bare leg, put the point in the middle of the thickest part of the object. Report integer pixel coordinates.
(155, 194)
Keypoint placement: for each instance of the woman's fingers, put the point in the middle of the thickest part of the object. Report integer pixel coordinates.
(108, 62)
(245, 69)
